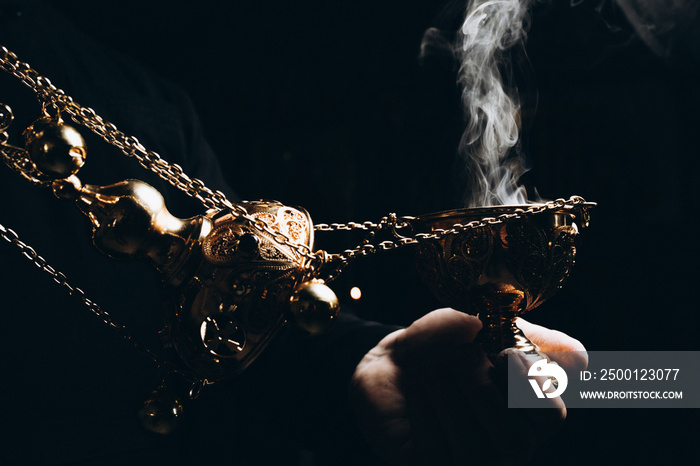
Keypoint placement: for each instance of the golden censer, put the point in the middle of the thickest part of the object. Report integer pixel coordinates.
(509, 261)
(235, 274)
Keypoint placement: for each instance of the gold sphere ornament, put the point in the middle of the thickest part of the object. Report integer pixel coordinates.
(56, 149)
(314, 306)
(6, 116)
(161, 412)
(67, 189)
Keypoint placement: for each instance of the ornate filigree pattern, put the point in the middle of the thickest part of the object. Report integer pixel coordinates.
(452, 265)
(239, 291)
(533, 254)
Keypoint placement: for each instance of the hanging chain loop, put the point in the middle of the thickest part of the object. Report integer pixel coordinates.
(56, 99)
(338, 262)
(50, 95)
(61, 280)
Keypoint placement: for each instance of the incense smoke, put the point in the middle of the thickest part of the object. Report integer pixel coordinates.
(661, 24)
(488, 145)
(482, 47)
(491, 28)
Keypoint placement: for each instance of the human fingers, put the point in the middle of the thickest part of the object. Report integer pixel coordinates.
(448, 428)
(460, 413)
(378, 402)
(567, 351)
(511, 435)
(441, 328)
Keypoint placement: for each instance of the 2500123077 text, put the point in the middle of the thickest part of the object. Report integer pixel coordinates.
(631, 374)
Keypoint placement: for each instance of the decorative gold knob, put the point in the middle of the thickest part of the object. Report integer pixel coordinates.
(314, 306)
(56, 149)
(161, 412)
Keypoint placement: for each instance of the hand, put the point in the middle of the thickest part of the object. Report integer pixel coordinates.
(426, 395)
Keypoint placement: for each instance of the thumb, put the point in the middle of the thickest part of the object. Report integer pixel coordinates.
(442, 328)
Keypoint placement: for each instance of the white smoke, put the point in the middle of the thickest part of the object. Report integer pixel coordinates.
(661, 23)
(491, 28)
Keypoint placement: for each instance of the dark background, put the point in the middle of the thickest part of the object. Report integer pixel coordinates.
(327, 105)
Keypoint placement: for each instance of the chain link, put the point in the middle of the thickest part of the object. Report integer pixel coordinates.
(55, 101)
(173, 174)
(61, 280)
(342, 260)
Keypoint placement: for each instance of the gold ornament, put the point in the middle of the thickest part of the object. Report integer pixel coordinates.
(161, 413)
(314, 306)
(501, 269)
(235, 274)
(56, 149)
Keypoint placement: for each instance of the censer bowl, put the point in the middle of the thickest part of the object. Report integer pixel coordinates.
(500, 270)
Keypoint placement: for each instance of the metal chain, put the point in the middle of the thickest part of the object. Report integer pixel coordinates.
(343, 259)
(53, 98)
(351, 226)
(173, 174)
(49, 94)
(61, 280)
